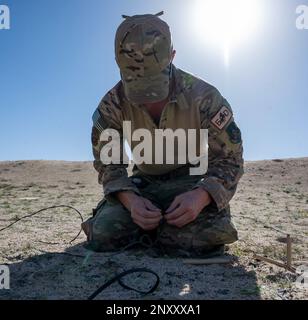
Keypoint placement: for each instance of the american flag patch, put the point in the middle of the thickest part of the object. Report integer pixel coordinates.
(95, 118)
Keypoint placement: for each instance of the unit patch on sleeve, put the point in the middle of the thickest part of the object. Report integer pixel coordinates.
(222, 117)
(234, 133)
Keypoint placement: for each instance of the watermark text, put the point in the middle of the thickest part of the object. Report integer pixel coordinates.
(161, 147)
(4, 277)
(302, 17)
(302, 279)
(5, 22)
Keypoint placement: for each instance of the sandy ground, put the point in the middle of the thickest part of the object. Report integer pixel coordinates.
(274, 192)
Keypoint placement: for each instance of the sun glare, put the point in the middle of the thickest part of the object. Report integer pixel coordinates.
(226, 23)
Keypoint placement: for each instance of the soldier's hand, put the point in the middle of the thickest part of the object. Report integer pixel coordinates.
(186, 207)
(143, 212)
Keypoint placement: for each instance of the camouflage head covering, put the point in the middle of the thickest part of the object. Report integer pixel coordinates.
(143, 49)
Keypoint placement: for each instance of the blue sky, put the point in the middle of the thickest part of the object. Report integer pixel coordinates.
(57, 61)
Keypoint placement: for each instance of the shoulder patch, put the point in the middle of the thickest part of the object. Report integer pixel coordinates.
(222, 117)
(234, 133)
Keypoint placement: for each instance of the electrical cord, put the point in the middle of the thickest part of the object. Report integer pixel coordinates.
(118, 278)
(144, 240)
(44, 209)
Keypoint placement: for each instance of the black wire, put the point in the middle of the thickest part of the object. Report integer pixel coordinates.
(123, 274)
(44, 209)
(143, 241)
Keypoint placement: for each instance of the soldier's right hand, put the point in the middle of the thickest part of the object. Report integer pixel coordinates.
(143, 212)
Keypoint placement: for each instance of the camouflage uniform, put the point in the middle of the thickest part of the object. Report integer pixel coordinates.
(192, 103)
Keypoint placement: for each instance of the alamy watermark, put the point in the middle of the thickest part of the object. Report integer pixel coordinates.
(4, 277)
(302, 17)
(163, 146)
(5, 22)
(302, 280)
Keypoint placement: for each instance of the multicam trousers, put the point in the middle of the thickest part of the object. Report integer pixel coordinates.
(112, 226)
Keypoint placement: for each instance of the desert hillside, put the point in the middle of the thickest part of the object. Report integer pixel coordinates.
(43, 265)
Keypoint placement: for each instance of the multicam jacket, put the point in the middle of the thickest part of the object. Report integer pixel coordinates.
(193, 103)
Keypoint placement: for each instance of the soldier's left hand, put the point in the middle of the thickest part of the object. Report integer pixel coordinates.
(186, 207)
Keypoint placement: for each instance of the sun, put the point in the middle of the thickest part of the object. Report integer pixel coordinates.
(227, 23)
